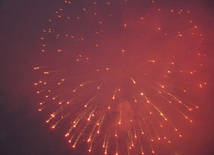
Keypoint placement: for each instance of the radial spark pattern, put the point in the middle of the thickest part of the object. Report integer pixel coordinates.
(116, 75)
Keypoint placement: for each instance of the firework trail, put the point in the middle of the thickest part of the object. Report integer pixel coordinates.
(117, 74)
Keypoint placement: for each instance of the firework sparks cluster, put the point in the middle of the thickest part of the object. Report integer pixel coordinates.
(116, 75)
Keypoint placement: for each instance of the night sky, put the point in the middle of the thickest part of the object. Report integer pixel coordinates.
(23, 129)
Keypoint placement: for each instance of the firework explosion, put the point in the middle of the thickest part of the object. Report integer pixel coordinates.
(117, 75)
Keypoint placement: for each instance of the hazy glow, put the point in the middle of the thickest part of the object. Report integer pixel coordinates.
(118, 77)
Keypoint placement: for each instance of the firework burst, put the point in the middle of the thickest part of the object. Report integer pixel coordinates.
(118, 74)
